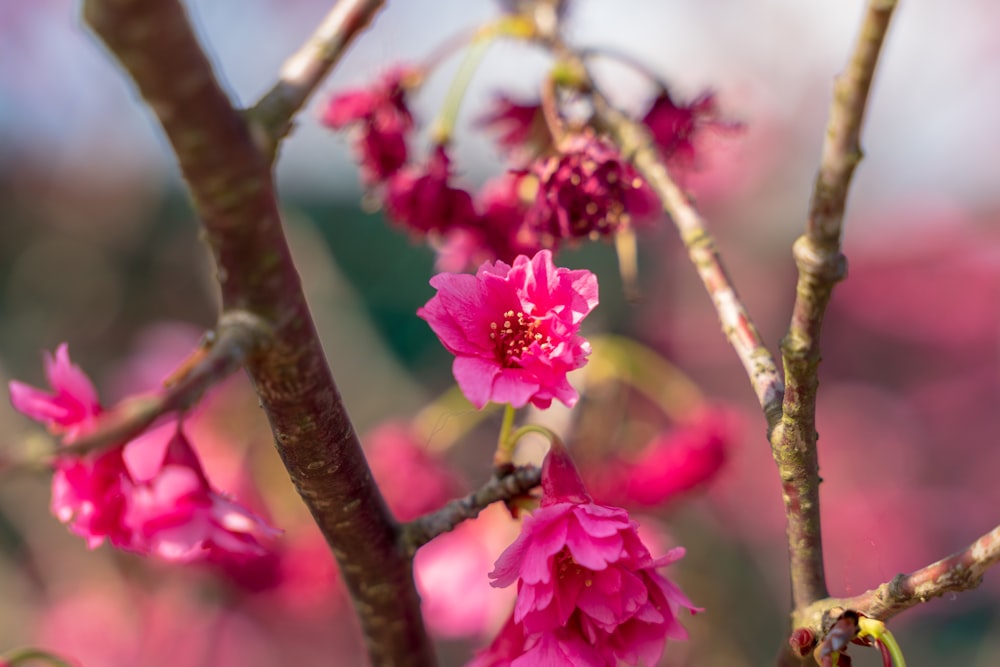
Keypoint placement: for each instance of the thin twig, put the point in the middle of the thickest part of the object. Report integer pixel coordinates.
(238, 335)
(960, 571)
(637, 146)
(821, 265)
(230, 181)
(308, 67)
(421, 531)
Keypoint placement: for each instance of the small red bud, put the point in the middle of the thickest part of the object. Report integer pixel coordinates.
(802, 641)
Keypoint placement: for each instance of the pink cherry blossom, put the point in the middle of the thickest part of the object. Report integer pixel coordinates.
(149, 495)
(174, 513)
(513, 329)
(382, 120)
(420, 197)
(588, 590)
(676, 128)
(71, 407)
(90, 494)
(520, 127)
(588, 191)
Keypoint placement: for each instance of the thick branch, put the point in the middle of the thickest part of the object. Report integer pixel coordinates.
(238, 335)
(231, 184)
(638, 147)
(421, 531)
(308, 67)
(821, 265)
(958, 572)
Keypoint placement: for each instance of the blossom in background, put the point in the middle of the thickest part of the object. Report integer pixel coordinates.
(381, 119)
(675, 128)
(149, 495)
(672, 464)
(588, 590)
(520, 127)
(588, 191)
(513, 329)
(420, 198)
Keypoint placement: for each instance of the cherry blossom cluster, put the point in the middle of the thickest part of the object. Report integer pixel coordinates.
(563, 184)
(149, 495)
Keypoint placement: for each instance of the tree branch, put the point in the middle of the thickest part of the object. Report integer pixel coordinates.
(231, 184)
(308, 67)
(958, 572)
(821, 265)
(421, 531)
(238, 336)
(637, 146)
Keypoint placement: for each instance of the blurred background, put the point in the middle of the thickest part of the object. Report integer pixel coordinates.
(98, 247)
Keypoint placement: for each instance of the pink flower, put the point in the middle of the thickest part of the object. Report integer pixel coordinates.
(382, 120)
(675, 128)
(588, 191)
(521, 128)
(71, 407)
(420, 197)
(90, 494)
(513, 329)
(174, 513)
(588, 590)
(148, 496)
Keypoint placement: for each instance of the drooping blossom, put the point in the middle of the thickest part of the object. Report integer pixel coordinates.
(173, 511)
(70, 408)
(520, 127)
(149, 495)
(676, 127)
(588, 191)
(381, 119)
(588, 590)
(421, 198)
(514, 329)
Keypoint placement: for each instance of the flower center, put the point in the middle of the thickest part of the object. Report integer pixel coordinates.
(513, 337)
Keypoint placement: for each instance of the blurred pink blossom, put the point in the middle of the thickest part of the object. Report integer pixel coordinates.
(72, 406)
(149, 495)
(421, 199)
(513, 329)
(382, 119)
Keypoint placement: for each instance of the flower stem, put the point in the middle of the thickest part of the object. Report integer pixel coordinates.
(869, 627)
(548, 434)
(511, 26)
(505, 443)
(23, 656)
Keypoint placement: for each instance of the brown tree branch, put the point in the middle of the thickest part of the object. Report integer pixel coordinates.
(821, 265)
(424, 529)
(238, 335)
(308, 67)
(958, 572)
(231, 184)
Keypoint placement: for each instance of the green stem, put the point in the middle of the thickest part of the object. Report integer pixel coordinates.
(505, 443)
(548, 434)
(22, 656)
(445, 124)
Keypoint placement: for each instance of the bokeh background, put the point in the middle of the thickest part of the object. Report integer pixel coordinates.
(98, 247)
